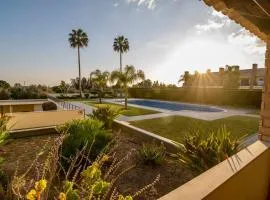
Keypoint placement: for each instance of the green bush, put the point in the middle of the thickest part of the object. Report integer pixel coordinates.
(47, 106)
(81, 133)
(215, 96)
(4, 94)
(106, 115)
(152, 153)
(86, 95)
(201, 153)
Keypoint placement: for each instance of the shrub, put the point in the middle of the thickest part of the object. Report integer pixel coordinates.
(215, 96)
(49, 106)
(106, 115)
(87, 133)
(86, 95)
(152, 153)
(199, 154)
(4, 94)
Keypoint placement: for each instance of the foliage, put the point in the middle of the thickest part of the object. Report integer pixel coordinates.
(231, 77)
(27, 92)
(105, 114)
(152, 153)
(201, 153)
(92, 181)
(4, 94)
(64, 87)
(78, 39)
(4, 84)
(47, 106)
(144, 84)
(99, 80)
(86, 84)
(3, 175)
(86, 95)
(214, 96)
(126, 78)
(121, 45)
(87, 132)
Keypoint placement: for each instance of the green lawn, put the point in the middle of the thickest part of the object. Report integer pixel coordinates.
(131, 111)
(176, 127)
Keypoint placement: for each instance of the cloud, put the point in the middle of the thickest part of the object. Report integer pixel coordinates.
(217, 20)
(116, 4)
(250, 43)
(151, 4)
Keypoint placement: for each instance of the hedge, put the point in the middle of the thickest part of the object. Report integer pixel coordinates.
(214, 96)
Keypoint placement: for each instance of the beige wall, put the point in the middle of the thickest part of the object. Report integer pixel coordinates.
(244, 176)
(18, 108)
(28, 120)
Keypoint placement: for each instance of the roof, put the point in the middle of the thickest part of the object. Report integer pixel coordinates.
(23, 102)
(254, 15)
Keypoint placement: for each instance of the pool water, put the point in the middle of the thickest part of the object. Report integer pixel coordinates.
(174, 106)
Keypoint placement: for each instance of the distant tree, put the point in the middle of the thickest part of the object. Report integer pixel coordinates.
(64, 87)
(231, 77)
(4, 94)
(99, 80)
(85, 83)
(4, 84)
(78, 39)
(186, 78)
(121, 45)
(127, 78)
(144, 84)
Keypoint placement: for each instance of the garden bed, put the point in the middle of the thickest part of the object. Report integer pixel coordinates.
(20, 153)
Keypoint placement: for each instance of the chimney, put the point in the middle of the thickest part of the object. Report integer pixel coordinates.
(253, 81)
(221, 70)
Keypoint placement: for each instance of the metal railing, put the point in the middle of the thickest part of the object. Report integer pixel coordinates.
(66, 105)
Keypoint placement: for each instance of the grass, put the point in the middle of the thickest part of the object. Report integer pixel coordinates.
(131, 111)
(176, 127)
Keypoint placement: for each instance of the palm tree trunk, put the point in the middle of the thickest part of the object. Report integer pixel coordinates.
(120, 62)
(79, 64)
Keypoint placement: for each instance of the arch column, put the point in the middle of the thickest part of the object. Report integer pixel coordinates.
(264, 133)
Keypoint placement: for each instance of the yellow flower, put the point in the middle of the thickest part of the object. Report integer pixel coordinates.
(41, 185)
(31, 195)
(62, 196)
(105, 158)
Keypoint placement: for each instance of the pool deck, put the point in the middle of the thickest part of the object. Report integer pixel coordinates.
(209, 116)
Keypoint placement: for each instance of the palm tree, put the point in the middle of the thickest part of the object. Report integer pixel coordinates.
(185, 78)
(78, 39)
(121, 45)
(100, 79)
(126, 78)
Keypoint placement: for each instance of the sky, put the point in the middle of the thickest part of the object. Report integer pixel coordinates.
(167, 37)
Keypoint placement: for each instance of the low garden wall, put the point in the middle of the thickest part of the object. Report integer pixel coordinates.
(214, 96)
(143, 135)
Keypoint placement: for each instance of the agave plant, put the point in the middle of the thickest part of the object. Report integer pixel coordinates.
(199, 153)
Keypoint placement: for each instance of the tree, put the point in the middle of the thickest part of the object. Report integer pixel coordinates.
(99, 80)
(121, 45)
(186, 79)
(85, 83)
(78, 39)
(127, 78)
(63, 87)
(231, 77)
(144, 84)
(4, 84)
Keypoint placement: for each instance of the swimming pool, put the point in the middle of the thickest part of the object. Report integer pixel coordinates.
(174, 106)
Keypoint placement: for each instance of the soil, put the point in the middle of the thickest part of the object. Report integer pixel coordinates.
(172, 174)
(20, 153)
